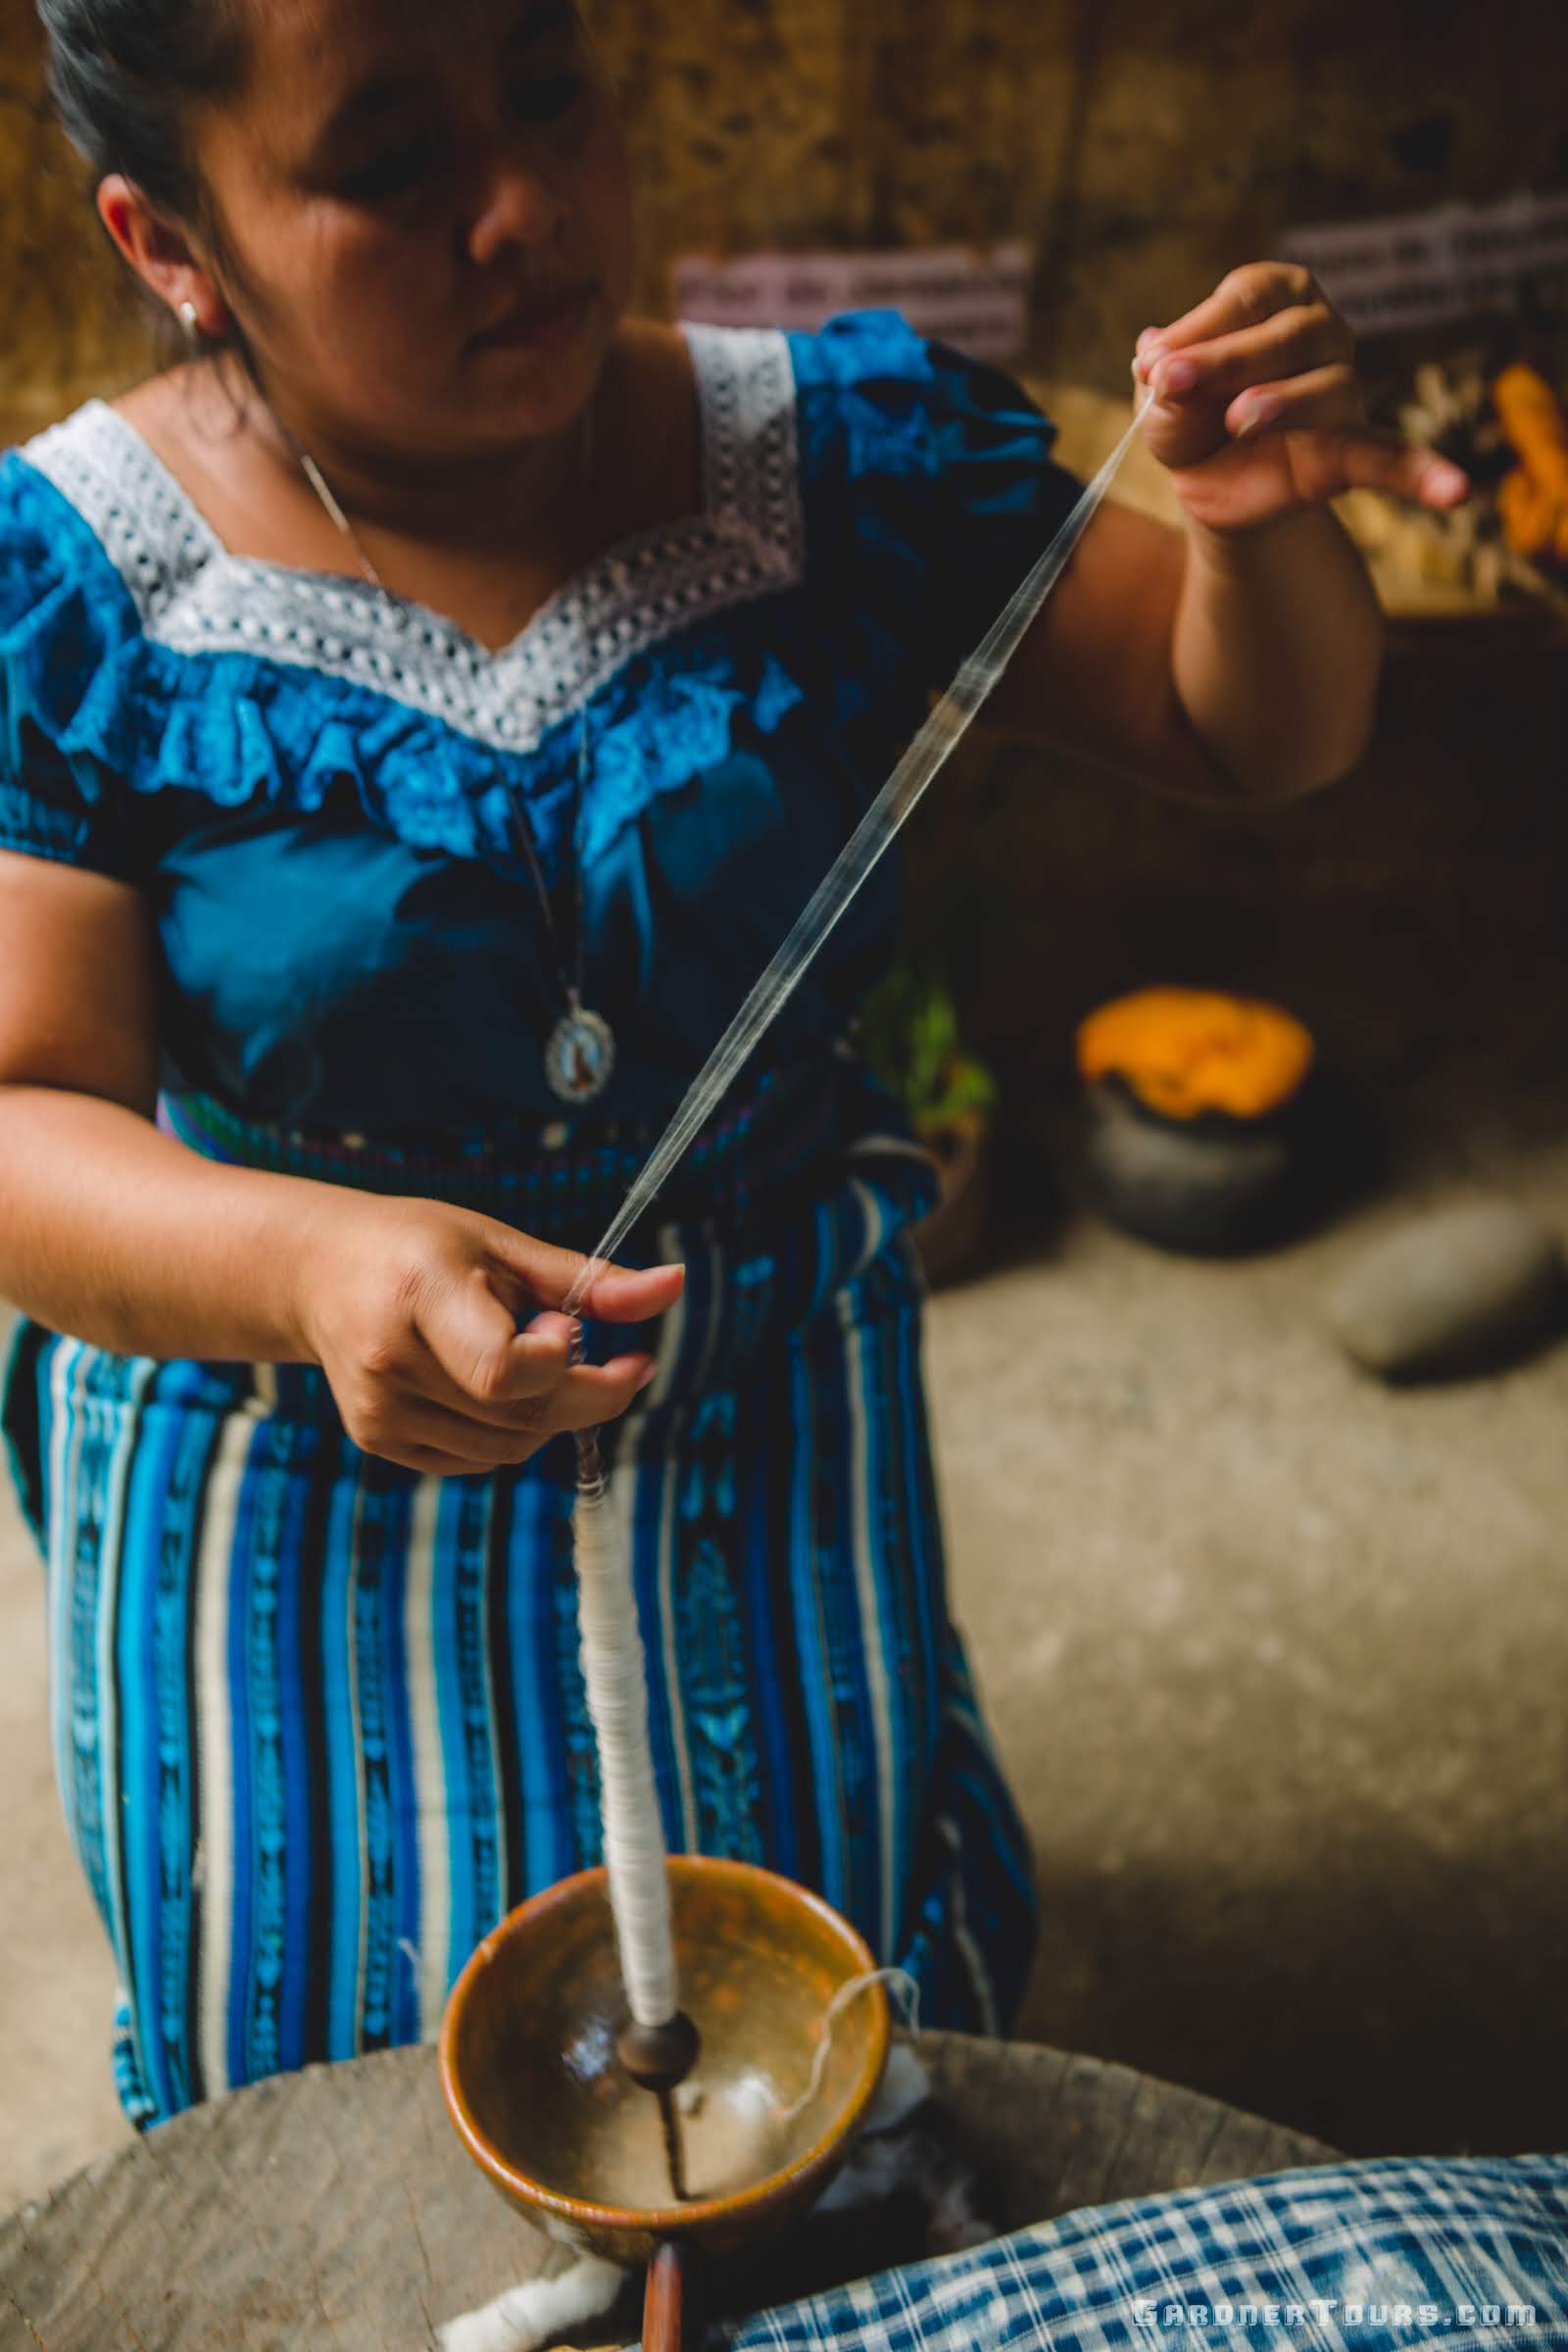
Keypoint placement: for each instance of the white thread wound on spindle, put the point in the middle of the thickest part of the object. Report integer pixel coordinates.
(612, 1643)
(616, 1672)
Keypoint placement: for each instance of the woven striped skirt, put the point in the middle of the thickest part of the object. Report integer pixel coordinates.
(318, 1721)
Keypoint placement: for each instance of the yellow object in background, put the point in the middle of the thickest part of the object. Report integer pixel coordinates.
(1185, 1050)
(1533, 498)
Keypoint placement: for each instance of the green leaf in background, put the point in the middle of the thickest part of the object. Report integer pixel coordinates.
(909, 1035)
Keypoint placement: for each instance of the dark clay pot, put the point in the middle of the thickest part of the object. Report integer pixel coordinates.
(1215, 1185)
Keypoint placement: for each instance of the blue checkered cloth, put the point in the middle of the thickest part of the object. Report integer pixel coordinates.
(1469, 2253)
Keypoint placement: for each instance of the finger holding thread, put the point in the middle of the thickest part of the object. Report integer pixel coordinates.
(1324, 399)
(1245, 297)
(1305, 380)
(473, 1357)
(612, 1293)
(1267, 325)
(1287, 344)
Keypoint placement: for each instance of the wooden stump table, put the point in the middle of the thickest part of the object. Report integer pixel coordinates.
(335, 2208)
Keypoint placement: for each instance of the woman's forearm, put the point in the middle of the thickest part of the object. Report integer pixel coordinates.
(116, 1234)
(1275, 651)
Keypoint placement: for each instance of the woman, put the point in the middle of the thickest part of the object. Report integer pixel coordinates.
(418, 731)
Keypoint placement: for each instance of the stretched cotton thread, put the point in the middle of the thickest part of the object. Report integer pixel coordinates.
(897, 800)
(612, 1642)
(846, 1994)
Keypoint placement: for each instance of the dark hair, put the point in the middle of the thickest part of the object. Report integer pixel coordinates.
(124, 75)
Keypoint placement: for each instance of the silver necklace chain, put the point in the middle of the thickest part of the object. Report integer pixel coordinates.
(580, 1052)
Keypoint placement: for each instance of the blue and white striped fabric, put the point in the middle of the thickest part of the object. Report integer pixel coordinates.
(1469, 2253)
(320, 1722)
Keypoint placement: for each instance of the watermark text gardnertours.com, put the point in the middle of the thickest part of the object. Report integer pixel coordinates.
(1157, 2315)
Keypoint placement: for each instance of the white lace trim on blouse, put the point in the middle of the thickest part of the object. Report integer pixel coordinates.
(196, 598)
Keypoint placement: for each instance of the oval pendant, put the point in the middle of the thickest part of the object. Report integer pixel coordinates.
(580, 1055)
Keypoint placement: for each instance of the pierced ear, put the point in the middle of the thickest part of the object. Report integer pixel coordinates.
(162, 256)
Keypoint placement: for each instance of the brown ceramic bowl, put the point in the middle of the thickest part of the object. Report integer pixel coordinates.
(532, 2082)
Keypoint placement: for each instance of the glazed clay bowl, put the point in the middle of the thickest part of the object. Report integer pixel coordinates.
(541, 2101)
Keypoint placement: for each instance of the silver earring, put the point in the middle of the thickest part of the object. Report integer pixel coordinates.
(190, 321)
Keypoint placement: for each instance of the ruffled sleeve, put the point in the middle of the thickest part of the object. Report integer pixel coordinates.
(66, 622)
(934, 490)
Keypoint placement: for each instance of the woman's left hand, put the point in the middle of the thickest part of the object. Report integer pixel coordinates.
(1259, 412)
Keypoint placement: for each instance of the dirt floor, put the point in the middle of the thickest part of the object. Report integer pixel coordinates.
(1277, 1658)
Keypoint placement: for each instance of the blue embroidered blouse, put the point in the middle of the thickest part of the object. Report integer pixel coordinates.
(309, 779)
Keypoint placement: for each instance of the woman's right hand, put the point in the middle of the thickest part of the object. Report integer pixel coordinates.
(412, 1308)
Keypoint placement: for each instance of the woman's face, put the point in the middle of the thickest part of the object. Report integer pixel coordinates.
(425, 215)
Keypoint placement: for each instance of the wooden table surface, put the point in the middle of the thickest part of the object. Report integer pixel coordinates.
(336, 2208)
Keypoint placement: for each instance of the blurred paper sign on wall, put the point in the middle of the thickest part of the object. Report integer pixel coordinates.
(976, 299)
(1453, 262)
